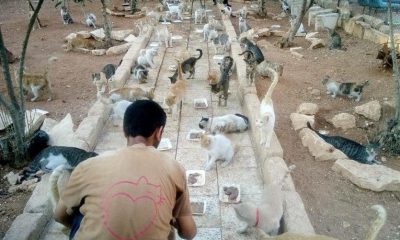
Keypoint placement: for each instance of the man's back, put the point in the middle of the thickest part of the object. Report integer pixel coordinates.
(132, 193)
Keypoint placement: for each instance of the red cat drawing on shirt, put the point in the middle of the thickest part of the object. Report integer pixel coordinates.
(139, 193)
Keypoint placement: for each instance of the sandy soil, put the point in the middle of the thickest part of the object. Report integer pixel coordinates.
(335, 206)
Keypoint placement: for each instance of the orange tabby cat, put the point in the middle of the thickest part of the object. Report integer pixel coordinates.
(175, 92)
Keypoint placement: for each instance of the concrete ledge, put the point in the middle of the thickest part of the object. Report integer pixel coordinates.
(270, 159)
(39, 201)
(27, 226)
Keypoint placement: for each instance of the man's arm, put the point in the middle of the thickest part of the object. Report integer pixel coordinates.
(186, 227)
(61, 215)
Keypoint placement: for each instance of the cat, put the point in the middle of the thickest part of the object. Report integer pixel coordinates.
(266, 120)
(349, 89)
(199, 15)
(285, 6)
(263, 68)
(229, 123)
(163, 34)
(175, 93)
(266, 215)
(223, 83)
(146, 57)
(140, 73)
(132, 94)
(53, 156)
(206, 31)
(251, 64)
(119, 108)
(102, 78)
(243, 26)
(37, 84)
(249, 46)
(371, 235)
(176, 9)
(243, 12)
(188, 66)
(66, 16)
(355, 151)
(221, 42)
(213, 79)
(90, 20)
(219, 148)
(335, 41)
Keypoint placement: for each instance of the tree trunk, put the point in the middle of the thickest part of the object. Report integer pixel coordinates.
(287, 40)
(396, 75)
(133, 6)
(106, 26)
(261, 10)
(16, 108)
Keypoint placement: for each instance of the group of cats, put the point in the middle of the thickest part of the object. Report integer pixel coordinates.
(90, 18)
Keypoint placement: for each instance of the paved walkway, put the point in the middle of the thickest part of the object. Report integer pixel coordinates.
(219, 221)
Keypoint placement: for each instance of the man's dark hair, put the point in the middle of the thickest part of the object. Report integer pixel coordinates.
(143, 117)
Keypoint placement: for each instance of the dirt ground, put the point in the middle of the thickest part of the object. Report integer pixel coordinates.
(335, 206)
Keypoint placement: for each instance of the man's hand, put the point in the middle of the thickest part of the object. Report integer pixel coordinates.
(186, 227)
(61, 215)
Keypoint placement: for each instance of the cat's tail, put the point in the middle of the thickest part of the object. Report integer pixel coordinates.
(180, 76)
(246, 119)
(365, 83)
(201, 53)
(271, 88)
(49, 62)
(54, 191)
(247, 51)
(378, 223)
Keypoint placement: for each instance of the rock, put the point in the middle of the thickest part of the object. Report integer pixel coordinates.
(315, 92)
(276, 169)
(130, 38)
(83, 34)
(316, 43)
(278, 33)
(299, 121)
(307, 108)
(344, 121)
(120, 35)
(98, 34)
(89, 130)
(384, 29)
(39, 201)
(48, 124)
(370, 110)
(373, 177)
(116, 50)
(264, 32)
(63, 134)
(321, 150)
(98, 52)
(28, 185)
(12, 178)
(27, 226)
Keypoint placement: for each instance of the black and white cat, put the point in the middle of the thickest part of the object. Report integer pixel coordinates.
(249, 46)
(355, 151)
(140, 73)
(225, 124)
(66, 16)
(51, 157)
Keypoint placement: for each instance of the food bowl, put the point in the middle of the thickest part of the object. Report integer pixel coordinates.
(194, 134)
(165, 144)
(200, 103)
(196, 178)
(198, 207)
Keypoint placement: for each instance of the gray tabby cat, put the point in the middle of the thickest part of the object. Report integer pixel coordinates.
(222, 41)
(188, 66)
(243, 26)
(251, 64)
(249, 46)
(51, 157)
(355, 151)
(349, 89)
(335, 41)
(140, 73)
(66, 16)
(223, 84)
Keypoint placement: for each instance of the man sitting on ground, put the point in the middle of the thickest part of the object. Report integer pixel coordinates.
(135, 192)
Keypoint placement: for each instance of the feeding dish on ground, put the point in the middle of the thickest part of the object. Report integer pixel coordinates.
(165, 144)
(196, 178)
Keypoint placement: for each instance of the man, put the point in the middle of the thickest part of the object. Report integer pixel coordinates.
(135, 192)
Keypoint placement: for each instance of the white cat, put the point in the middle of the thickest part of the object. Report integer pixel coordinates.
(219, 148)
(146, 57)
(225, 124)
(176, 9)
(266, 121)
(119, 108)
(163, 34)
(90, 20)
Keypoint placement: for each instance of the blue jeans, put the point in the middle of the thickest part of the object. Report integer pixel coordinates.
(76, 223)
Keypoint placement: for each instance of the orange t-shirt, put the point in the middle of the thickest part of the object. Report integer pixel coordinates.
(132, 193)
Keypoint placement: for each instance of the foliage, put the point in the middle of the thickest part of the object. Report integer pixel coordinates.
(12, 104)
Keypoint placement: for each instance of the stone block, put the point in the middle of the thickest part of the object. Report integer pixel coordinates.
(299, 121)
(120, 35)
(358, 30)
(98, 34)
(98, 52)
(348, 25)
(275, 170)
(83, 34)
(294, 214)
(375, 36)
(329, 20)
(100, 109)
(318, 148)
(373, 177)
(307, 108)
(89, 130)
(344, 121)
(55, 231)
(370, 110)
(385, 29)
(116, 50)
(313, 14)
(48, 124)
(27, 226)
(39, 200)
